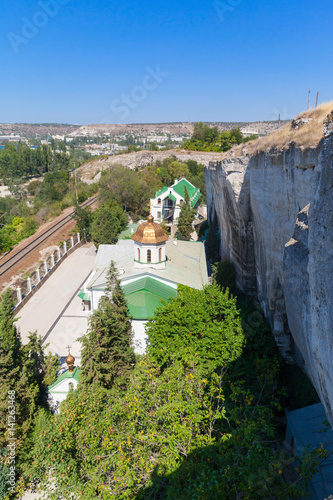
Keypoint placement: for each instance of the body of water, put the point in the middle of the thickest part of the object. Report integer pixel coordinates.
(31, 147)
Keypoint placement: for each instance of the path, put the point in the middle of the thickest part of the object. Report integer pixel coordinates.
(55, 311)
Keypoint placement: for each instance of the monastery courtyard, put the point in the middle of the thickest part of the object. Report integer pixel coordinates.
(55, 311)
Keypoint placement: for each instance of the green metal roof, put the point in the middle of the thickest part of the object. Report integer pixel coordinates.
(127, 233)
(195, 199)
(180, 188)
(145, 295)
(172, 197)
(84, 295)
(161, 191)
(67, 374)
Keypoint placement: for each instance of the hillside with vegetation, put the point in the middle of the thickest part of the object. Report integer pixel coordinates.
(205, 138)
(41, 186)
(200, 415)
(208, 394)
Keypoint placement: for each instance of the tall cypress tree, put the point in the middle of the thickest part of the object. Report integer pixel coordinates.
(185, 219)
(21, 370)
(107, 352)
(10, 358)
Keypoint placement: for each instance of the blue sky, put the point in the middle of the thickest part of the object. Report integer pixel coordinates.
(84, 61)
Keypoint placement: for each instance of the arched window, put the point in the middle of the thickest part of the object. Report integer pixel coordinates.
(160, 254)
(139, 254)
(159, 201)
(148, 255)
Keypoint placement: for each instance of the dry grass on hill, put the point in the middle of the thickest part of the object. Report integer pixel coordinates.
(307, 135)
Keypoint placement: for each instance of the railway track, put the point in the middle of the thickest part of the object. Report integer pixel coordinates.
(16, 257)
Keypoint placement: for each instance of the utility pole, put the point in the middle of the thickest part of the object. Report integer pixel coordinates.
(279, 119)
(309, 100)
(317, 99)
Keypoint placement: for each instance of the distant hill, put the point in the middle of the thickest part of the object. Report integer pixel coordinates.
(181, 128)
(29, 130)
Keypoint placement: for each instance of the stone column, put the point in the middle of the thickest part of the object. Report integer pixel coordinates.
(78, 237)
(65, 246)
(38, 275)
(19, 295)
(72, 241)
(29, 285)
(45, 267)
(52, 260)
(59, 254)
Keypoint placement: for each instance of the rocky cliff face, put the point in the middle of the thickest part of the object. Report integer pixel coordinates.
(275, 212)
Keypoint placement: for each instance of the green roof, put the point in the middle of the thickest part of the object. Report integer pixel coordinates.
(195, 199)
(145, 295)
(127, 233)
(172, 197)
(84, 295)
(161, 191)
(67, 374)
(180, 188)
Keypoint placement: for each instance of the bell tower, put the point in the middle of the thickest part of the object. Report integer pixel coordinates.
(149, 245)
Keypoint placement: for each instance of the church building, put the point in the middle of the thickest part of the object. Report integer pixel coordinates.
(151, 266)
(168, 201)
(66, 382)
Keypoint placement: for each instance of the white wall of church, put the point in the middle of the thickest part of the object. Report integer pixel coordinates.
(96, 296)
(140, 336)
(59, 393)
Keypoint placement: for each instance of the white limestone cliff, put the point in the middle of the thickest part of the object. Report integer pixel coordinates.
(275, 213)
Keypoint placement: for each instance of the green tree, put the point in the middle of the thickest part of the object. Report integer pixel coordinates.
(236, 135)
(204, 322)
(10, 358)
(127, 188)
(108, 222)
(107, 352)
(83, 217)
(52, 365)
(185, 219)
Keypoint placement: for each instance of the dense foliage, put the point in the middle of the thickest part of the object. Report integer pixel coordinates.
(22, 161)
(107, 222)
(197, 418)
(34, 203)
(24, 375)
(206, 138)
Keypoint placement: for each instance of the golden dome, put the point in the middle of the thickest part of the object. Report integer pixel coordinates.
(150, 232)
(70, 360)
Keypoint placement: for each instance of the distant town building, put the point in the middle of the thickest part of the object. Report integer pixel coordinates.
(150, 268)
(168, 201)
(157, 138)
(11, 137)
(58, 137)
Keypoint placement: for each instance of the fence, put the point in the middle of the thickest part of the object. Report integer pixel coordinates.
(29, 286)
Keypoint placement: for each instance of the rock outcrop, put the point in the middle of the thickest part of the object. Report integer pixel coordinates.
(275, 212)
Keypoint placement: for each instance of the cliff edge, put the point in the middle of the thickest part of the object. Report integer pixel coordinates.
(274, 202)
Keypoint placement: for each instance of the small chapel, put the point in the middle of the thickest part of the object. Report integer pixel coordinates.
(151, 265)
(66, 381)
